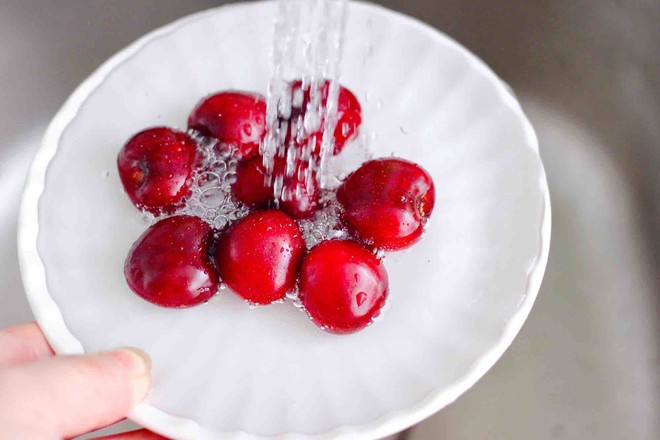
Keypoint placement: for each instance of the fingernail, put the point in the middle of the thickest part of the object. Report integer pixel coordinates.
(140, 362)
(139, 367)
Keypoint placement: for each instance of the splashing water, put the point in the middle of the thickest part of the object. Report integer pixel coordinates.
(307, 45)
(210, 195)
(325, 224)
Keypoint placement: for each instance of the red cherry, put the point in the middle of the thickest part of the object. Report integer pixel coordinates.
(300, 203)
(169, 264)
(342, 286)
(259, 256)
(297, 201)
(349, 113)
(387, 201)
(237, 118)
(156, 167)
(251, 189)
(250, 184)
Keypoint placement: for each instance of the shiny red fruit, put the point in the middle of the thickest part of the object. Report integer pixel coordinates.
(387, 202)
(300, 202)
(155, 167)
(250, 188)
(250, 184)
(342, 286)
(170, 265)
(233, 117)
(297, 201)
(259, 256)
(349, 113)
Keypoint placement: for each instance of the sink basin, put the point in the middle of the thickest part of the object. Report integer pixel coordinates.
(586, 365)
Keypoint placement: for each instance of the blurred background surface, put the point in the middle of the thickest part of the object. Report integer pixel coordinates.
(586, 365)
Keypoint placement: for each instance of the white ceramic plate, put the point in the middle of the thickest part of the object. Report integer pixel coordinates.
(458, 297)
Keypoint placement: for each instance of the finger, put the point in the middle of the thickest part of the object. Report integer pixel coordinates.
(23, 343)
(69, 395)
(140, 434)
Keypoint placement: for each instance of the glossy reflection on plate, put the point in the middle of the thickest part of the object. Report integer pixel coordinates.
(458, 297)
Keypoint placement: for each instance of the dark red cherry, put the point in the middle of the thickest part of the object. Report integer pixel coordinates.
(250, 188)
(342, 286)
(155, 167)
(349, 114)
(169, 264)
(259, 256)
(387, 202)
(250, 184)
(233, 117)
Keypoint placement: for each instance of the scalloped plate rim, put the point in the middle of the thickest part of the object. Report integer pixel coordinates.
(58, 335)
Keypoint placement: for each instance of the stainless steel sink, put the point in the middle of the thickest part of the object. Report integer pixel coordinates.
(586, 365)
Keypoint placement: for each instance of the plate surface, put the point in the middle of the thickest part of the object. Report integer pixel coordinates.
(458, 297)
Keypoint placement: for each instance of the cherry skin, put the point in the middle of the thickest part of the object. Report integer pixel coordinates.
(250, 188)
(349, 114)
(301, 201)
(342, 286)
(387, 202)
(259, 256)
(297, 200)
(250, 184)
(156, 167)
(170, 265)
(233, 117)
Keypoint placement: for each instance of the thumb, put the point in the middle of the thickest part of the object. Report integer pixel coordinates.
(68, 395)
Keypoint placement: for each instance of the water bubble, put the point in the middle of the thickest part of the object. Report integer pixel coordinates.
(220, 222)
(211, 177)
(147, 217)
(293, 293)
(198, 210)
(212, 197)
(325, 224)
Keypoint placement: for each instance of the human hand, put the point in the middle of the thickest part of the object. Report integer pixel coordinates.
(44, 396)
